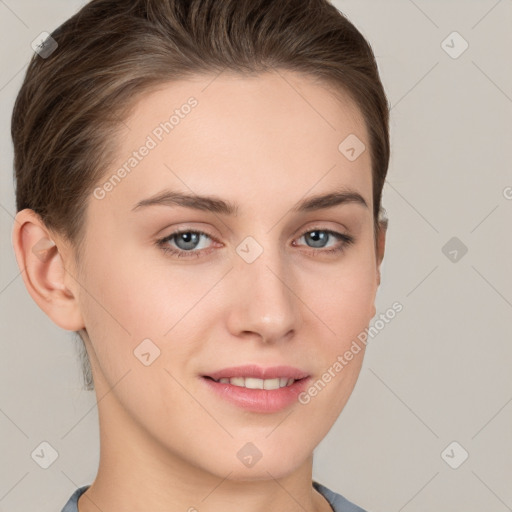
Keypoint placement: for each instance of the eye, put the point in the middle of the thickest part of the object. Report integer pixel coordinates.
(187, 243)
(319, 237)
(185, 240)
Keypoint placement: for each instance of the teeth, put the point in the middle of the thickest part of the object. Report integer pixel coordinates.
(252, 383)
(237, 381)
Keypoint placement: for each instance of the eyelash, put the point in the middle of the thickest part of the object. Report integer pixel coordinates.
(347, 240)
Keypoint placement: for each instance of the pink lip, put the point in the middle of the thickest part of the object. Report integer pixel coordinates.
(258, 372)
(258, 400)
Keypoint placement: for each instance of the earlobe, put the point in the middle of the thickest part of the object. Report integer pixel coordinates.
(43, 270)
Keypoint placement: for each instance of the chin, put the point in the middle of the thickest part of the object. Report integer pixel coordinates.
(275, 465)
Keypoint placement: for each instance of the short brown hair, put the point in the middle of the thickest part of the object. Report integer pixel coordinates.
(71, 103)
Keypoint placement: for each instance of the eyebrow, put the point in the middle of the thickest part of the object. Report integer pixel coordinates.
(217, 205)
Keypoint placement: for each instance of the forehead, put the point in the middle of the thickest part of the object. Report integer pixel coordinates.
(235, 135)
(295, 101)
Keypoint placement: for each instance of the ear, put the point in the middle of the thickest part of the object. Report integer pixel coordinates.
(41, 258)
(381, 245)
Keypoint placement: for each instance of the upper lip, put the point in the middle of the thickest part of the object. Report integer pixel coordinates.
(258, 372)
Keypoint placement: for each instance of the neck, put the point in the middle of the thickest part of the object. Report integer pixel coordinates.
(137, 473)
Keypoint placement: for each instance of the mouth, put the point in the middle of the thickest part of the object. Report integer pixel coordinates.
(257, 389)
(255, 383)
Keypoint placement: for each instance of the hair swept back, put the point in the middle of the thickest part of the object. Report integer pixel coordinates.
(72, 103)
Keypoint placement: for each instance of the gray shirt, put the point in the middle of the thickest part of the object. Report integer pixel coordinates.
(337, 501)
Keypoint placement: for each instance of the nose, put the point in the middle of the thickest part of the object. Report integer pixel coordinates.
(264, 303)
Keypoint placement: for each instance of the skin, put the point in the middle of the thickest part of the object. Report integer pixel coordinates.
(167, 442)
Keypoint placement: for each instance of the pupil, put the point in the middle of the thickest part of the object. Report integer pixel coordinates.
(317, 236)
(190, 239)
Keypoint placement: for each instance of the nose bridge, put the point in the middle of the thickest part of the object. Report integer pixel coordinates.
(264, 301)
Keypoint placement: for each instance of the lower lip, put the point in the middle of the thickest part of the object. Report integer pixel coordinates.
(259, 400)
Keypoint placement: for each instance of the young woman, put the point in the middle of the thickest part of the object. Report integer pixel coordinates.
(198, 187)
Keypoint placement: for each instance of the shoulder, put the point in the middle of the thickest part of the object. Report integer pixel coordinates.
(338, 502)
(72, 503)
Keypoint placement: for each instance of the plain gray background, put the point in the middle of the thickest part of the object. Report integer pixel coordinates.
(439, 372)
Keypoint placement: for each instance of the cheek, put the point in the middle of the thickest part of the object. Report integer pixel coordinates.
(344, 297)
(133, 296)
(345, 307)
(128, 300)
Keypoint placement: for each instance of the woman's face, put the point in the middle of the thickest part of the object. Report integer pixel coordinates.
(254, 279)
